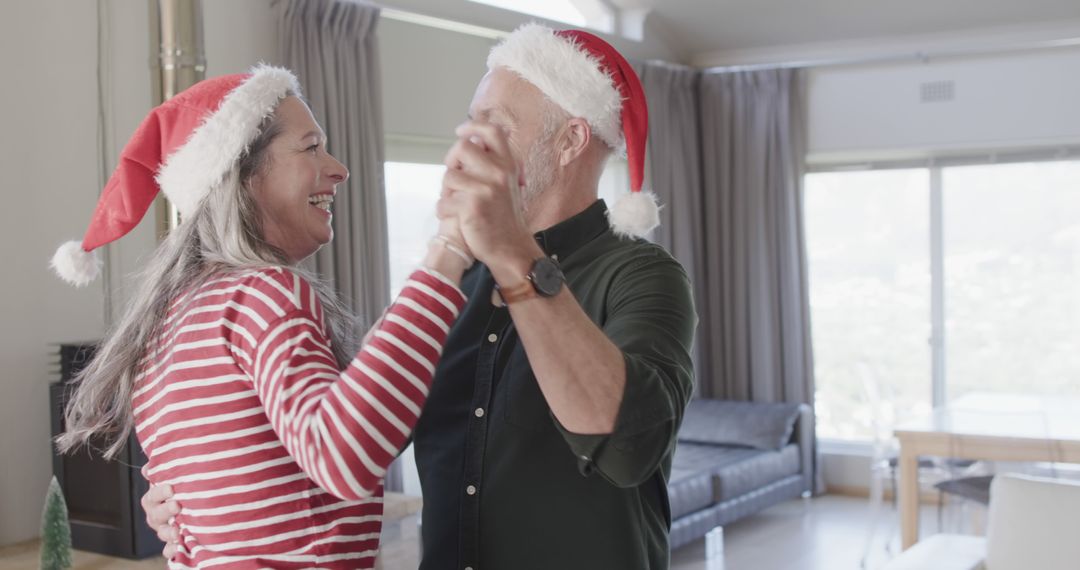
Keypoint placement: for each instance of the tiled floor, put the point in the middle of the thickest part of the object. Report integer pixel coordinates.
(825, 533)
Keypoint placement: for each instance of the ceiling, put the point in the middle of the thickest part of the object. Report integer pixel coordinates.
(704, 26)
(709, 33)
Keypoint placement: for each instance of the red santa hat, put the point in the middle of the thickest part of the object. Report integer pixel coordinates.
(589, 79)
(185, 147)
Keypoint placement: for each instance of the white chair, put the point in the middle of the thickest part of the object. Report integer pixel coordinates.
(884, 465)
(1033, 525)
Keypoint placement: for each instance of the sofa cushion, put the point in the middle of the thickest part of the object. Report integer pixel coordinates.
(689, 491)
(692, 486)
(737, 478)
(750, 424)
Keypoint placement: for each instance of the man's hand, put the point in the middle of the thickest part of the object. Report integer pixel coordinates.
(481, 188)
(160, 510)
(450, 232)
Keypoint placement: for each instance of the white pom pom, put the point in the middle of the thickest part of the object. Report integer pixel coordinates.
(635, 214)
(75, 265)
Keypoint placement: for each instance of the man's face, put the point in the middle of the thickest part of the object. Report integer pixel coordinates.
(518, 107)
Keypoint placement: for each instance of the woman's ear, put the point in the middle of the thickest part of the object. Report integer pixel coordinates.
(574, 140)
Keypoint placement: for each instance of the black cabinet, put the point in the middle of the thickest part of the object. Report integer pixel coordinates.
(102, 495)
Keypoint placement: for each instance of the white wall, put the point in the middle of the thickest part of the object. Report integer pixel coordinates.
(428, 75)
(49, 172)
(428, 78)
(237, 35)
(1002, 102)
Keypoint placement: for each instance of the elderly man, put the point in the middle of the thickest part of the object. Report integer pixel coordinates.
(547, 438)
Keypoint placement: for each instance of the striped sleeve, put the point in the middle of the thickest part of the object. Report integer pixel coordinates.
(345, 427)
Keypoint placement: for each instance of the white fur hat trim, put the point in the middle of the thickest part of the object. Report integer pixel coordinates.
(567, 75)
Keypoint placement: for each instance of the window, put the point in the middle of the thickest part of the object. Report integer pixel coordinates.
(1012, 278)
(867, 236)
(556, 10)
(595, 14)
(412, 189)
(1004, 297)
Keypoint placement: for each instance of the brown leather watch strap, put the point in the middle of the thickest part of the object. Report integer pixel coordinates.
(520, 292)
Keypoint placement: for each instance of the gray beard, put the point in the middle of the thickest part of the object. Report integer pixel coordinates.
(539, 172)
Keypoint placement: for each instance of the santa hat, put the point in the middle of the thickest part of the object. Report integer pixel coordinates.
(588, 78)
(184, 148)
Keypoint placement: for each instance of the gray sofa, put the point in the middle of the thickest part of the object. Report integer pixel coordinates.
(734, 459)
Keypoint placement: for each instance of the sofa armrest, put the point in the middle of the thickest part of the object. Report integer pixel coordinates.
(804, 437)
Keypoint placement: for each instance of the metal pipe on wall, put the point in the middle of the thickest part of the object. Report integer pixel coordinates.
(179, 61)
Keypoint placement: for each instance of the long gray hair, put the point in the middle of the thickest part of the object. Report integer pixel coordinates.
(224, 234)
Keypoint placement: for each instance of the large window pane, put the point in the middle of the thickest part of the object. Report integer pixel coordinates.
(412, 190)
(557, 10)
(1012, 274)
(868, 245)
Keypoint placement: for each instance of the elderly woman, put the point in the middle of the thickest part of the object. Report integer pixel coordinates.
(231, 364)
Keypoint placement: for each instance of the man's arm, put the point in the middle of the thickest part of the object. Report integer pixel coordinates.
(617, 393)
(580, 371)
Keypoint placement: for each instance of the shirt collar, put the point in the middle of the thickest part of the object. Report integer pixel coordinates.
(565, 237)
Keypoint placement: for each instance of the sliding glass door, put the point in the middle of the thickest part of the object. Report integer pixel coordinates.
(1012, 278)
(927, 284)
(868, 240)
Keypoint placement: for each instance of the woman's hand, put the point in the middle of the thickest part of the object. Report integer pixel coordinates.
(447, 252)
(482, 190)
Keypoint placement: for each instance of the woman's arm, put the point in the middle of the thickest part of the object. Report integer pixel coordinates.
(345, 428)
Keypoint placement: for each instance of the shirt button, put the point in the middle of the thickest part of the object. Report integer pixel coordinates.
(584, 457)
(493, 337)
(471, 490)
(479, 412)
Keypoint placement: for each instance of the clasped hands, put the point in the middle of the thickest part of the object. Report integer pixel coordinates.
(480, 207)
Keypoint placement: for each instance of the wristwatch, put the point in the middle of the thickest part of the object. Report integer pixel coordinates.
(545, 279)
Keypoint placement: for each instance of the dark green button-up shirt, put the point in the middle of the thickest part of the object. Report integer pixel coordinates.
(505, 486)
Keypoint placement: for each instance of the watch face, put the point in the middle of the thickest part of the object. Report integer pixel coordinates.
(546, 277)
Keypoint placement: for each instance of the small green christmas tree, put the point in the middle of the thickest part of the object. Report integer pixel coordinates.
(55, 531)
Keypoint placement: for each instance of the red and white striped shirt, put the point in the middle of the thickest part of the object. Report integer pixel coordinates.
(276, 456)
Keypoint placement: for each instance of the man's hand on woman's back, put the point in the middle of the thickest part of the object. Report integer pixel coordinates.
(160, 510)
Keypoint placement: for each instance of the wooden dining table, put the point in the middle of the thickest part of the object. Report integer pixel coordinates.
(985, 426)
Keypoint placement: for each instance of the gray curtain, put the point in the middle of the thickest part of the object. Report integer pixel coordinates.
(332, 48)
(675, 173)
(758, 309)
(726, 159)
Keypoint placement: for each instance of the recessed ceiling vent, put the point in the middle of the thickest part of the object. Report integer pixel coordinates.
(937, 91)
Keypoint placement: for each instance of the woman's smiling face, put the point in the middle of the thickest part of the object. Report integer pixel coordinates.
(295, 188)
